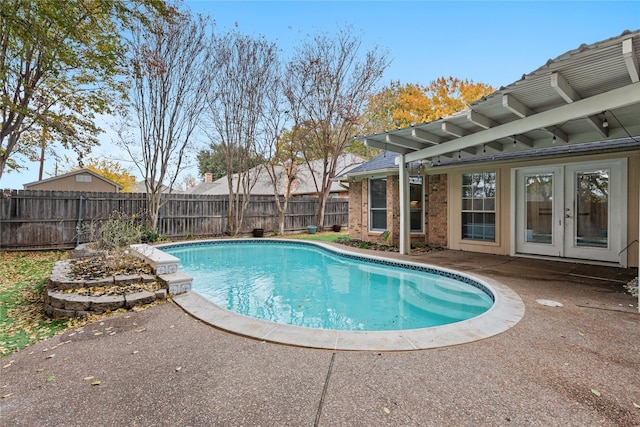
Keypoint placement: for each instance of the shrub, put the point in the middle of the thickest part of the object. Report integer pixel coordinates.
(149, 236)
(118, 231)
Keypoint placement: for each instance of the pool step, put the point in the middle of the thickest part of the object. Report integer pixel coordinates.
(165, 266)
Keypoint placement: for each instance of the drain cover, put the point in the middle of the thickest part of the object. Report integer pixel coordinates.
(549, 303)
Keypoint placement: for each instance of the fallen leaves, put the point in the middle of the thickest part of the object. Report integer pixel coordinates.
(102, 265)
(51, 378)
(22, 284)
(596, 392)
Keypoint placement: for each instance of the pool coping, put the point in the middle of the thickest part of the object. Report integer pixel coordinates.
(507, 310)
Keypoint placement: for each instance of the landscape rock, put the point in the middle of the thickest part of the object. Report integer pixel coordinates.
(140, 298)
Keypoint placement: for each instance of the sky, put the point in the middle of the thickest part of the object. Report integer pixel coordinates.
(489, 42)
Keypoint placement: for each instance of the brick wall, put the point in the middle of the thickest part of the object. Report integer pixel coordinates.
(358, 207)
(436, 223)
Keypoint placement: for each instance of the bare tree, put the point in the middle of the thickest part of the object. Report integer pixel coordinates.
(281, 152)
(328, 86)
(171, 69)
(246, 67)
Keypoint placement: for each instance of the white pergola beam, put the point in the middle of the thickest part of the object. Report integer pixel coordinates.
(597, 125)
(496, 146)
(631, 60)
(384, 146)
(426, 136)
(405, 211)
(489, 147)
(404, 142)
(454, 130)
(480, 120)
(523, 140)
(617, 98)
(515, 106)
(561, 136)
(564, 89)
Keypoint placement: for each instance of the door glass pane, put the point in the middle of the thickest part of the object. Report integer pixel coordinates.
(539, 211)
(592, 208)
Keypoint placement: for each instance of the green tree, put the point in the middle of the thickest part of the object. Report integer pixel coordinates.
(214, 160)
(59, 63)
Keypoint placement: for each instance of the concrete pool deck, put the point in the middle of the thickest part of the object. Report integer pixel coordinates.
(573, 365)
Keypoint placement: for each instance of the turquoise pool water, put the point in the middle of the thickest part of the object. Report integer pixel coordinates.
(301, 284)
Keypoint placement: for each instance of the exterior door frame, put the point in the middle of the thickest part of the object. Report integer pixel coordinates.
(564, 229)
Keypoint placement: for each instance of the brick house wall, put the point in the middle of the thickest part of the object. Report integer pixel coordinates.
(358, 206)
(435, 219)
(436, 223)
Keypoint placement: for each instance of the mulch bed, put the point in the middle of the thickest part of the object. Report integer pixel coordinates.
(361, 244)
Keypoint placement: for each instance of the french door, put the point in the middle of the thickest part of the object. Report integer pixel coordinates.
(574, 210)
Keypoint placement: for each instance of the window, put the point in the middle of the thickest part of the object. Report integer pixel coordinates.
(83, 178)
(479, 206)
(378, 204)
(416, 201)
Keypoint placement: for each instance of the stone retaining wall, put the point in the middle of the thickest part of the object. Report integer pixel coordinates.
(59, 304)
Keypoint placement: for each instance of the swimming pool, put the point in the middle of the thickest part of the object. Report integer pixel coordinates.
(301, 284)
(506, 311)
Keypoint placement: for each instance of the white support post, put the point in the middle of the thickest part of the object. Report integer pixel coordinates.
(405, 223)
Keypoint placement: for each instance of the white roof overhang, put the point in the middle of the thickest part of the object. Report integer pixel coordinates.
(588, 94)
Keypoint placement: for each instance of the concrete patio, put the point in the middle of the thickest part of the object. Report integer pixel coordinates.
(572, 366)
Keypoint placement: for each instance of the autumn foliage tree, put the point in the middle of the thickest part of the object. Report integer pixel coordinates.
(402, 105)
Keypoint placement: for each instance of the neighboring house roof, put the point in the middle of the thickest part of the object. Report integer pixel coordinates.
(589, 94)
(140, 187)
(70, 174)
(304, 184)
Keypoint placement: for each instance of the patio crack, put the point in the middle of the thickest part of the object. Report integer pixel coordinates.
(324, 391)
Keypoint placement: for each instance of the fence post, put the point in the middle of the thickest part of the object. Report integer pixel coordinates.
(79, 226)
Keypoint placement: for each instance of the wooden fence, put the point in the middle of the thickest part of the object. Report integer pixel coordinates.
(62, 219)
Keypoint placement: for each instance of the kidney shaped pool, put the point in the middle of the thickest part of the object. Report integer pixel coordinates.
(301, 284)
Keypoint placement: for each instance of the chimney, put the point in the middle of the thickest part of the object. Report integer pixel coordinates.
(208, 177)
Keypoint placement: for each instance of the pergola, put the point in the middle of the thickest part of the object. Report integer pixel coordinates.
(587, 96)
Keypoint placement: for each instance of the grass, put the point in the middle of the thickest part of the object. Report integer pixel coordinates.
(324, 236)
(22, 321)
